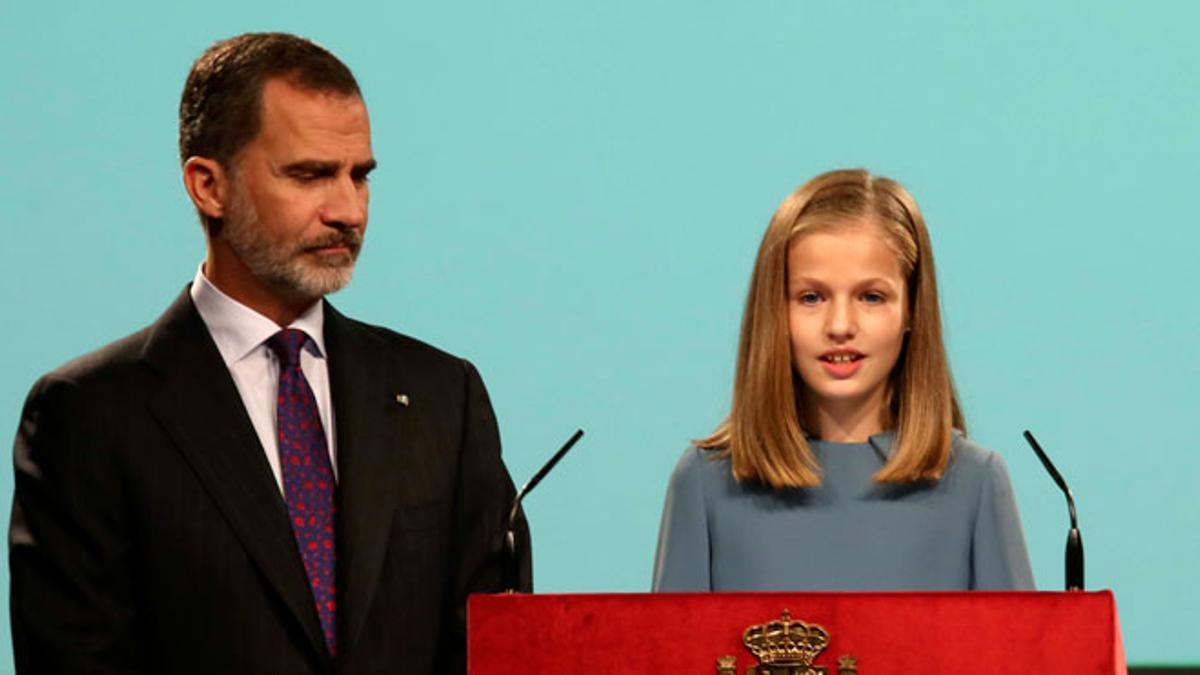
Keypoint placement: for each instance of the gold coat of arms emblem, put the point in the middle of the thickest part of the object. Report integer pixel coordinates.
(785, 646)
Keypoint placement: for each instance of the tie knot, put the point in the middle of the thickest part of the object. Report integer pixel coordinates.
(287, 344)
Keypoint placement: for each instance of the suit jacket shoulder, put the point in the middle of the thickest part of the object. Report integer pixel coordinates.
(420, 357)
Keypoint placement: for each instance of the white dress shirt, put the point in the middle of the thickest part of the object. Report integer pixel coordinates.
(241, 335)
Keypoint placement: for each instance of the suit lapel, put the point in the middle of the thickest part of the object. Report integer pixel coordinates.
(364, 384)
(201, 409)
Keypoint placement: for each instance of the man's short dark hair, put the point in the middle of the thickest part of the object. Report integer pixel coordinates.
(221, 108)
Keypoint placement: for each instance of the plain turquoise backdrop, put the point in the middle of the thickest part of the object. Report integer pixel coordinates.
(571, 193)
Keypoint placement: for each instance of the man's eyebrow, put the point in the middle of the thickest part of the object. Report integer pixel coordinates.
(316, 167)
(309, 166)
(364, 168)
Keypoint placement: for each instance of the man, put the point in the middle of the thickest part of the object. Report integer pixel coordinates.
(256, 483)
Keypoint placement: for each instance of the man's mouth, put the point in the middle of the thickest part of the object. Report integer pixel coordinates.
(346, 244)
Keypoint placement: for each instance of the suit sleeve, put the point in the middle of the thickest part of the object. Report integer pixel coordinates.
(484, 496)
(682, 562)
(71, 598)
(998, 555)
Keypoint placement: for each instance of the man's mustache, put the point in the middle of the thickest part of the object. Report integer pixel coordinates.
(351, 239)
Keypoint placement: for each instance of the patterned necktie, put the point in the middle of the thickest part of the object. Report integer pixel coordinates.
(307, 478)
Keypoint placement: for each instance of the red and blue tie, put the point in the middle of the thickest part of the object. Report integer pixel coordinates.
(308, 482)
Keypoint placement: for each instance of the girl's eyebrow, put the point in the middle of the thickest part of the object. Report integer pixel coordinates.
(876, 280)
(806, 281)
(811, 281)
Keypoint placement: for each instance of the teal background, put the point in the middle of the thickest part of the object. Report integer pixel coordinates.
(570, 193)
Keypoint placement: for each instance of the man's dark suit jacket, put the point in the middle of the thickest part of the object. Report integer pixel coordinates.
(149, 535)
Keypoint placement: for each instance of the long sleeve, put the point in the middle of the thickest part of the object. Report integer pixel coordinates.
(999, 560)
(683, 562)
(71, 595)
(485, 494)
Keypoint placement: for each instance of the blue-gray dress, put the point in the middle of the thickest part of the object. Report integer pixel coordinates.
(961, 532)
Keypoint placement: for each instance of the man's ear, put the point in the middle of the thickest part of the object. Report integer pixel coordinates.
(207, 184)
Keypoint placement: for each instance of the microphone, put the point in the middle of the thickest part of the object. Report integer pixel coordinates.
(1074, 541)
(510, 535)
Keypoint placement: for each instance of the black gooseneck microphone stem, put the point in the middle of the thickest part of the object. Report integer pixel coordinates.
(1074, 560)
(511, 573)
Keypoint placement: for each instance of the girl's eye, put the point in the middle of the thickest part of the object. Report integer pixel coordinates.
(808, 298)
(873, 297)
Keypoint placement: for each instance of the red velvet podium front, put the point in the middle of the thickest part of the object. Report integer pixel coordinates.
(909, 633)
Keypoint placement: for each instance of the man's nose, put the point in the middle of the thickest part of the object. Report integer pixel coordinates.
(345, 204)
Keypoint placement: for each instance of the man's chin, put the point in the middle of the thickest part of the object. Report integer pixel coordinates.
(314, 282)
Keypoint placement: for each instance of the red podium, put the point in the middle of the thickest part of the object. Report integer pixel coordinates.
(841, 633)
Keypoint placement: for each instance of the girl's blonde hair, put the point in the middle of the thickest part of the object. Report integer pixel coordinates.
(764, 434)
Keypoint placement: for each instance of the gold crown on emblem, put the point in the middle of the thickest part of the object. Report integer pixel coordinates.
(785, 642)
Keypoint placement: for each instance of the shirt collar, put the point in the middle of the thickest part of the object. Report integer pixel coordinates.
(239, 330)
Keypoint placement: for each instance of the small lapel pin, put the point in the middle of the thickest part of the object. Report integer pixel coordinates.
(402, 399)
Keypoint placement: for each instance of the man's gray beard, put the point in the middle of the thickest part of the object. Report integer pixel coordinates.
(289, 269)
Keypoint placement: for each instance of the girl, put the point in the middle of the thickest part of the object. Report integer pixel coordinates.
(842, 464)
